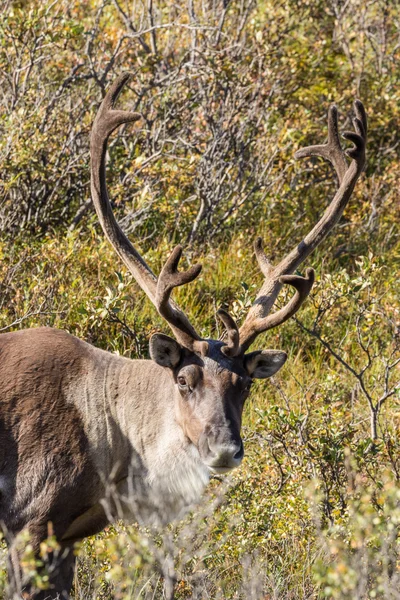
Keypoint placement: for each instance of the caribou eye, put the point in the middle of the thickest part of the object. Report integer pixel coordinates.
(182, 381)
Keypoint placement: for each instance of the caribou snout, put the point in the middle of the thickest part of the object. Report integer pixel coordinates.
(221, 455)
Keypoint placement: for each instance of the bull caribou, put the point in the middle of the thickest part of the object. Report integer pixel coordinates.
(87, 437)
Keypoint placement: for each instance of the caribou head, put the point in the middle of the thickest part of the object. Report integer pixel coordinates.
(212, 378)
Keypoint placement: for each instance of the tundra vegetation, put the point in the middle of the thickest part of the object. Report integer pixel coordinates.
(228, 92)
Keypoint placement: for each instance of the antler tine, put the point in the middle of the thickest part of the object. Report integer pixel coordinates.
(332, 151)
(168, 279)
(262, 259)
(361, 115)
(232, 347)
(257, 319)
(107, 120)
(252, 328)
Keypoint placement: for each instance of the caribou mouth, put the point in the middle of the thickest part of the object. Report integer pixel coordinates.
(221, 470)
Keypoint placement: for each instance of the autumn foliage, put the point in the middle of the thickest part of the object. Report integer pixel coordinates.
(228, 91)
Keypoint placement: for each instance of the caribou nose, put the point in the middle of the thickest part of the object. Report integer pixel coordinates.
(223, 457)
(240, 453)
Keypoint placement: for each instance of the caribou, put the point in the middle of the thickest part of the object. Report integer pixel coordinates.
(87, 437)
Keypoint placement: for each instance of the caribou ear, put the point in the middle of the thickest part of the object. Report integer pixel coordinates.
(264, 363)
(164, 350)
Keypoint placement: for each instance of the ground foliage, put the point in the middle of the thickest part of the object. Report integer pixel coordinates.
(228, 92)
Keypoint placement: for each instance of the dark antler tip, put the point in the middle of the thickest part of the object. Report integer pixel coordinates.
(361, 114)
(225, 317)
(310, 273)
(177, 253)
(117, 86)
(349, 135)
(357, 140)
(288, 279)
(197, 269)
(171, 264)
(307, 152)
(258, 244)
(123, 78)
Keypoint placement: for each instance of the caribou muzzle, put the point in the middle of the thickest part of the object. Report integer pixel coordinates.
(221, 453)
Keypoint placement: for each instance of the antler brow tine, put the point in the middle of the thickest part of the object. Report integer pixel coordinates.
(232, 347)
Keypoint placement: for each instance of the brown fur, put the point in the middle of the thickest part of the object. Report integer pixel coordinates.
(47, 461)
(87, 436)
(44, 456)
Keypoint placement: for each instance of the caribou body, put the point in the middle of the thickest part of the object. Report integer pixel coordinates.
(87, 436)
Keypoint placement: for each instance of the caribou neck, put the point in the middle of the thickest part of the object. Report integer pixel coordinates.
(134, 415)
